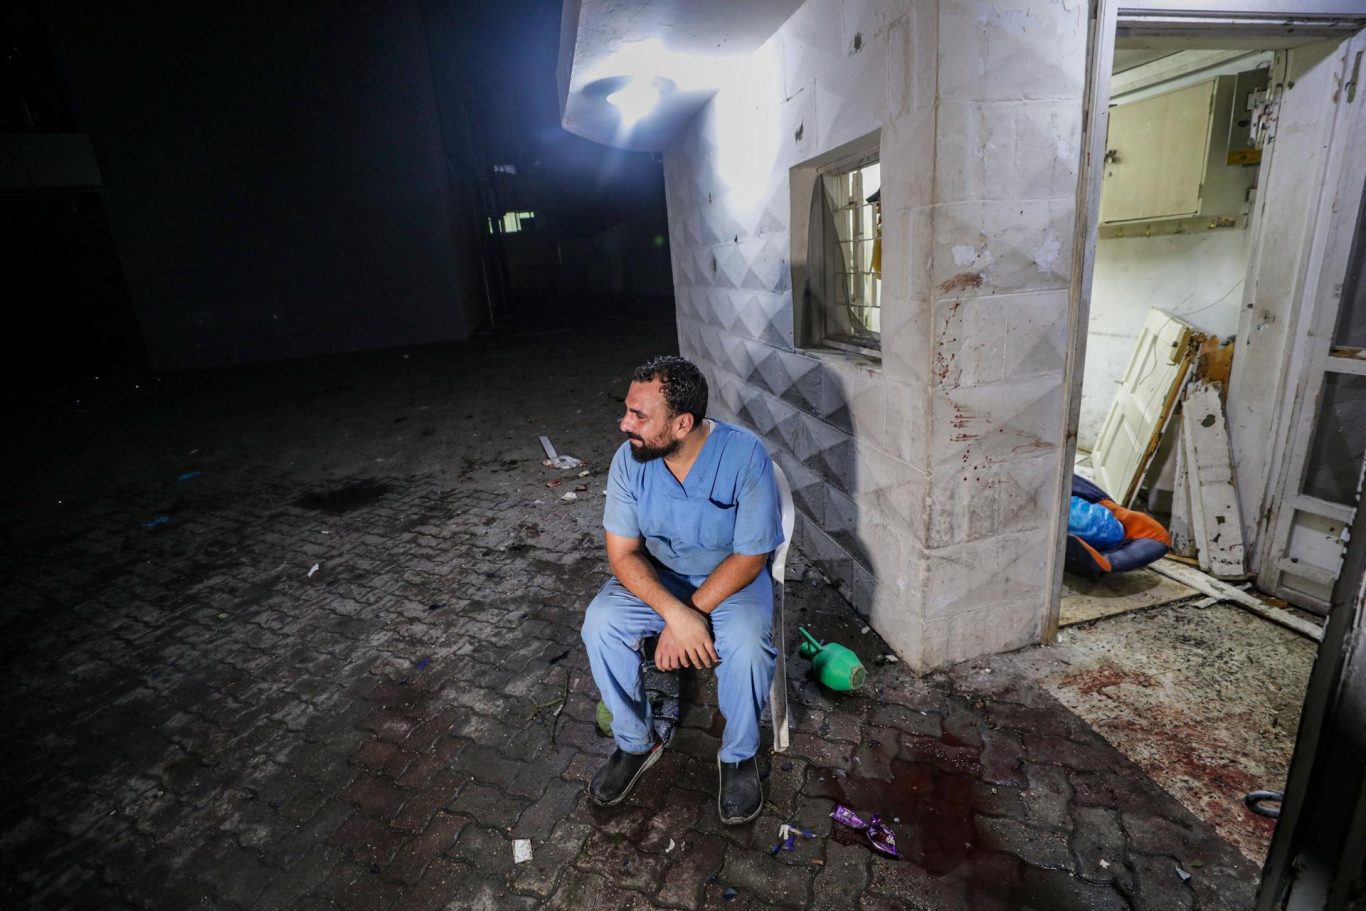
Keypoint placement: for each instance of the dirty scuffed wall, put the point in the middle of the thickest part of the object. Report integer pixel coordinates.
(924, 481)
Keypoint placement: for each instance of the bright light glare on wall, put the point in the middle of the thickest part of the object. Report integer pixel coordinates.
(747, 130)
(634, 100)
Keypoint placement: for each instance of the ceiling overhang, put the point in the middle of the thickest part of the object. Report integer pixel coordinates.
(683, 47)
(1199, 22)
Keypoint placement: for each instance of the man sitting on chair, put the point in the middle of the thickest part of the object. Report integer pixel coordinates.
(692, 516)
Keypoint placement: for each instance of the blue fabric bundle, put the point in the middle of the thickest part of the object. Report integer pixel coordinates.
(1094, 524)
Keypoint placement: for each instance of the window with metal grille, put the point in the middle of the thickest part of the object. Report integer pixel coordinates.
(841, 297)
(855, 202)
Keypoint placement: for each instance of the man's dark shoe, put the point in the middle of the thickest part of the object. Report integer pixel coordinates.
(620, 773)
(740, 797)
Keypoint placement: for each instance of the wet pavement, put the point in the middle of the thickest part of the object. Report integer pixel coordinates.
(198, 718)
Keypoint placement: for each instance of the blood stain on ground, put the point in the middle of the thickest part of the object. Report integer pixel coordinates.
(341, 500)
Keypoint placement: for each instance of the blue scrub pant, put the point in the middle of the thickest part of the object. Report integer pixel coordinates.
(742, 627)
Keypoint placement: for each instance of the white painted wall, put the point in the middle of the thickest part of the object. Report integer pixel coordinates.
(926, 481)
(1198, 277)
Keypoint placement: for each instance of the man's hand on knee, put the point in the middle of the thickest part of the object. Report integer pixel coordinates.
(685, 642)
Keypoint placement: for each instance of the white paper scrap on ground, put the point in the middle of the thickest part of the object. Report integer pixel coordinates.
(521, 850)
(571, 496)
(554, 460)
(313, 569)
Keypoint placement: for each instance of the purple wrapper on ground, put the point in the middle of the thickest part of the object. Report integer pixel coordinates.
(879, 835)
(847, 817)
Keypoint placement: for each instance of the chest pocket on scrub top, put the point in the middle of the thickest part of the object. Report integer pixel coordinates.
(715, 523)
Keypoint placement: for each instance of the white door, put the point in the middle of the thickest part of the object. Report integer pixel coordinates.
(1315, 469)
(1142, 404)
(1311, 520)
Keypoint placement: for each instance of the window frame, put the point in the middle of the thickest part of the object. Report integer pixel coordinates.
(814, 325)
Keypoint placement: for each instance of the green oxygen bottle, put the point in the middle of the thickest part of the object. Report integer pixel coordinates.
(835, 666)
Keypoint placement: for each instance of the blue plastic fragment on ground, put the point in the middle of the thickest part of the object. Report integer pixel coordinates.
(423, 662)
(155, 521)
(730, 893)
(189, 475)
(787, 838)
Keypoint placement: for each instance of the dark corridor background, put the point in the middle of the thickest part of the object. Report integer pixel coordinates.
(188, 187)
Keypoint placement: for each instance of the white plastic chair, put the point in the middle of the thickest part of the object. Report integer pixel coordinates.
(777, 692)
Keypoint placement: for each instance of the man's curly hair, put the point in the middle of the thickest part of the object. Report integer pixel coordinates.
(683, 385)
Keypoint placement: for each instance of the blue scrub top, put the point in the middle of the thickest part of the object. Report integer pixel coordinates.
(728, 503)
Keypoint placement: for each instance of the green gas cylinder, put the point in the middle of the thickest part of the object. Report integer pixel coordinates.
(835, 666)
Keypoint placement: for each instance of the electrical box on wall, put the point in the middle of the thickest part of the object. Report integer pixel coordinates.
(1166, 157)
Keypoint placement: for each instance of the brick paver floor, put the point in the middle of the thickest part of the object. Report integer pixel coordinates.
(195, 718)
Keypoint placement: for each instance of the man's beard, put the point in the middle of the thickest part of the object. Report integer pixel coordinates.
(647, 453)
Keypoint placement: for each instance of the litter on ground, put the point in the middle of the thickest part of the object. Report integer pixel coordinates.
(787, 838)
(554, 460)
(521, 850)
(313, 569)
(835, 666)
(879, 836)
